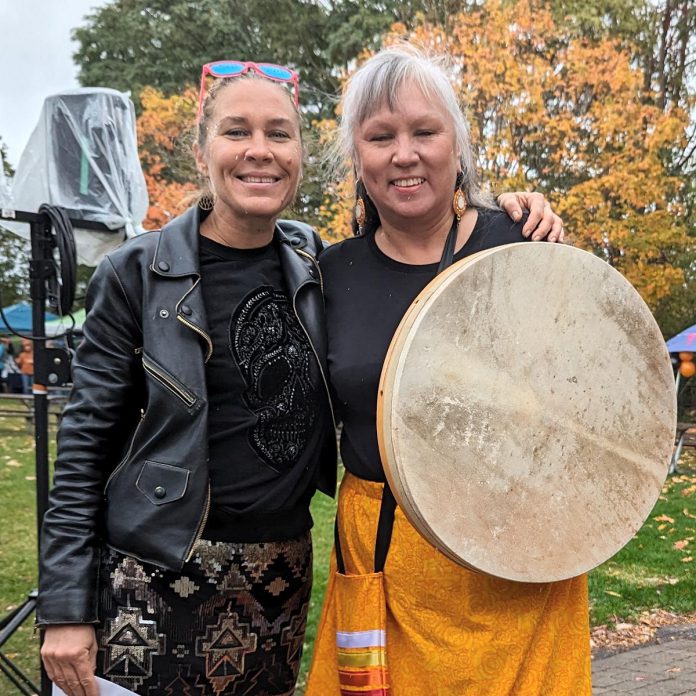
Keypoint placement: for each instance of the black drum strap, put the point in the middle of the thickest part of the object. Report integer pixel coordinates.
(337, 545)
(385, 524)
(448, 251)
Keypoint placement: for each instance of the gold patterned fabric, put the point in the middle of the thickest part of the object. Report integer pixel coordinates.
(451, 631)
(231, 623)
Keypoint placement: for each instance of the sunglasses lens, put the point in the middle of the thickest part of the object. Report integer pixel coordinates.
(276, 72)
(229, 68)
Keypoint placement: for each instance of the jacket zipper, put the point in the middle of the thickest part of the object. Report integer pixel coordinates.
(192, 326)
(169, 382)
(125, 459)
(200, 332)
(316, 265)
(321, 369)
(201, 526)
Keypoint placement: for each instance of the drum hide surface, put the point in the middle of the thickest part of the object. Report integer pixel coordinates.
(527, 412)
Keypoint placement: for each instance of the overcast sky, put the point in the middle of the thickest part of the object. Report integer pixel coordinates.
(35, 61)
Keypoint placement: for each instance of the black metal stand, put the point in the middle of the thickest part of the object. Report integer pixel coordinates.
(42, 268)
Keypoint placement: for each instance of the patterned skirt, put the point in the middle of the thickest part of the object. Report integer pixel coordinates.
(231, 623)
(451, 631)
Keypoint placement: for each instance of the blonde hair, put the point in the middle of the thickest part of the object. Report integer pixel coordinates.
(201, 137)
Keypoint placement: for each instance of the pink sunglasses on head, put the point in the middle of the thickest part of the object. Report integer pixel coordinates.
(235, 68)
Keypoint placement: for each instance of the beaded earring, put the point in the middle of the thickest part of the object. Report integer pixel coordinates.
(359, 211)
(459, 203)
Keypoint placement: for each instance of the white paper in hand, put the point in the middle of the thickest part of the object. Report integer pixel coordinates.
(106, 688)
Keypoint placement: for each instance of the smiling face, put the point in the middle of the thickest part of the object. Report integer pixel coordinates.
(407, 160)
(252, 154)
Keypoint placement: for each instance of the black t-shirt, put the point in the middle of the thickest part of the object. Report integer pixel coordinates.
(263, 382)
(367, 294)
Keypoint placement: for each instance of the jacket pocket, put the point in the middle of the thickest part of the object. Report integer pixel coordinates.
(162, 483)
(169, 382)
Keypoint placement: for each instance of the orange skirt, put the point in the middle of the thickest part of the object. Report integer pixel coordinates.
(451, 631)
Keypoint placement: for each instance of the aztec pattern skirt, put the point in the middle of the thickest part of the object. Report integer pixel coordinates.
(231, 623)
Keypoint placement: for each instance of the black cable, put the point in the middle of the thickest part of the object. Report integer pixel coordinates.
(62, 286)
(67, 254)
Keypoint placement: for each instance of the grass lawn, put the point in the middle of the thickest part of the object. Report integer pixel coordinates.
(656, 570)
(18, 540)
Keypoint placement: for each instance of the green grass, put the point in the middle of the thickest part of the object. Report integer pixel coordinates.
(651, 572)
(323, 512)
(18, 574)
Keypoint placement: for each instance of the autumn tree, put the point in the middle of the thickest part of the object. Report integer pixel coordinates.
(589, 103)
(132, 44)
(165, 139)
(569, 116)
(136, 45)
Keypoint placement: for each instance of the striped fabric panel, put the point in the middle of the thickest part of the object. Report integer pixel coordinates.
(362, 658)
(361, 639)
(362, 663)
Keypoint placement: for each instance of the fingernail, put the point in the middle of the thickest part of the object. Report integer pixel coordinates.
(516, 215)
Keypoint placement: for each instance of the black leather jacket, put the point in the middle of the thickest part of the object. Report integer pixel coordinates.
(132, 458)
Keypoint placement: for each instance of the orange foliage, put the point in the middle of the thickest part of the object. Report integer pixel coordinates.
(162, 126)
(336, 211)
(569, 117)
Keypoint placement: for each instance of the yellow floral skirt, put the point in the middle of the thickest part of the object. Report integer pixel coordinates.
(451, 631)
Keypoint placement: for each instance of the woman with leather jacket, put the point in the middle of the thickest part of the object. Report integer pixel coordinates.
(176, 553)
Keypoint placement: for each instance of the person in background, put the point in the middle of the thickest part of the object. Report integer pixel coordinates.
(25, 362)
(4, 354)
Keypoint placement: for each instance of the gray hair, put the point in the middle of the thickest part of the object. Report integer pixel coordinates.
(378, 81)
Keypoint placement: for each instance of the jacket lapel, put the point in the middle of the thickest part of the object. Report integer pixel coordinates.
(303, 285)
(177, 259)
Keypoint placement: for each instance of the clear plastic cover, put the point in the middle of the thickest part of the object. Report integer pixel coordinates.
(83, 156)
(5, 184)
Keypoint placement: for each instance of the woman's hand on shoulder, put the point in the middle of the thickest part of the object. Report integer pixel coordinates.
(69, 654)
(542, 222)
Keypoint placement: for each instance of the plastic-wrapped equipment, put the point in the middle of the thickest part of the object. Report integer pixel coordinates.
(83, 156)
(4, 188)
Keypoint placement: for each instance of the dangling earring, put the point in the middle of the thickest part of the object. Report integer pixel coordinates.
(207, 201)
(459, 203)
(359, 212)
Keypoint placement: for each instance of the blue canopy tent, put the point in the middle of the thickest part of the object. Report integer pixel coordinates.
(19, 317)
(684, 341)
(59, 326)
